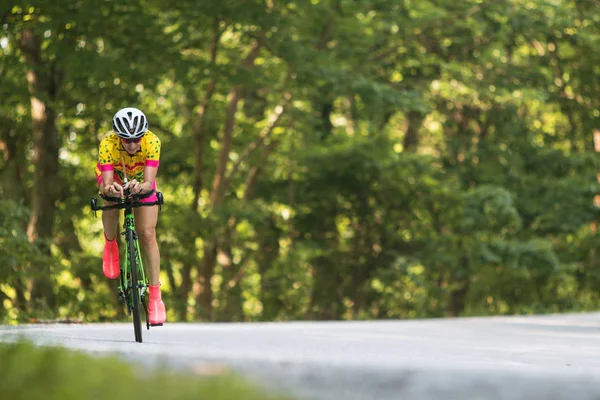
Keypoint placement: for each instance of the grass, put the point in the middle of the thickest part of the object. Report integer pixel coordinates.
(28, 372)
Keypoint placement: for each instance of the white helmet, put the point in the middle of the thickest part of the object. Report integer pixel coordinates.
(130, 123)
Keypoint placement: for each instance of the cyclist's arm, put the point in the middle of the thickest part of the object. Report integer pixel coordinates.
(152, 154)
(106, 160)
(149, 177)
(110, 188)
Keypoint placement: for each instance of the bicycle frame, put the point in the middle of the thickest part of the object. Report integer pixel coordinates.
(133, 283)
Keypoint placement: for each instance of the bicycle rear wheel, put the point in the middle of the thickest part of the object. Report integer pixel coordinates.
(135, 292)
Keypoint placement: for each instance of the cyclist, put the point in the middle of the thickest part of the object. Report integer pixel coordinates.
(131, 151)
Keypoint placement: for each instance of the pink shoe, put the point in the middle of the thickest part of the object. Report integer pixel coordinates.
(156, 307)
(110, 259)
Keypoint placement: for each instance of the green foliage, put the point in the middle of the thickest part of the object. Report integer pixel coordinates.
(431, 158)
(16, 249)
(17, 255)
(56, 373)
(489, 209)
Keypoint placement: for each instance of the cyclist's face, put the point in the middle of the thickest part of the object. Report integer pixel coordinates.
(131, 146)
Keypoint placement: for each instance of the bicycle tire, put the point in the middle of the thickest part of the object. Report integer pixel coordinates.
(145, 304)
(137, 323)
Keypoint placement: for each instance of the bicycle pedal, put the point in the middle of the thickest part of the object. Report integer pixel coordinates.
(156, 324)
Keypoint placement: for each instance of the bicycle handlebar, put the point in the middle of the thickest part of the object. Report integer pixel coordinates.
(129, 201)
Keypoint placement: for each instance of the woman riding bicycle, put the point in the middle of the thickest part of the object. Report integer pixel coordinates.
(130, 153)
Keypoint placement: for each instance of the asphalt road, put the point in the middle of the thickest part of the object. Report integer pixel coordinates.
(540, 357)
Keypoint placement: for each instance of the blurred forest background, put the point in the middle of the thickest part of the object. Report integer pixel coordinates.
(323, 159)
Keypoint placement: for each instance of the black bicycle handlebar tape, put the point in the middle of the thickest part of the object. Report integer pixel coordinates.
(134, 202)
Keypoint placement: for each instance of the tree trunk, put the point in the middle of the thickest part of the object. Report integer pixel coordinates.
(594, 225)
(43, 88)
(230, 293)
(199, 134)
(325, 126)
(231, 308)
(12, 153)
(364, 241)
(204, 298)
(270, 289)
(414, 119)
(199, 127)
(207, 267)
(458, 297)
(326, 299)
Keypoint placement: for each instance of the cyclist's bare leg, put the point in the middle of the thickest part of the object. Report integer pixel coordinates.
(145, 226)
(110, 220)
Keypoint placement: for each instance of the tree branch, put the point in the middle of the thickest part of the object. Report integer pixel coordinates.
(199, 128)
(235, 94)
(272, 123)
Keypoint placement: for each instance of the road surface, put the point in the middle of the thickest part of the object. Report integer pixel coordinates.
(534, 357)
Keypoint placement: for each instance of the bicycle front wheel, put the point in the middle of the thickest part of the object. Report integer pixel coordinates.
(134, 284)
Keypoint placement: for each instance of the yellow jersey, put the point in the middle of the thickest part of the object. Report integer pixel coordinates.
(113, 157)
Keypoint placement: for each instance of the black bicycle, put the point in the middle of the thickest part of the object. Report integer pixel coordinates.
(133, 283)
